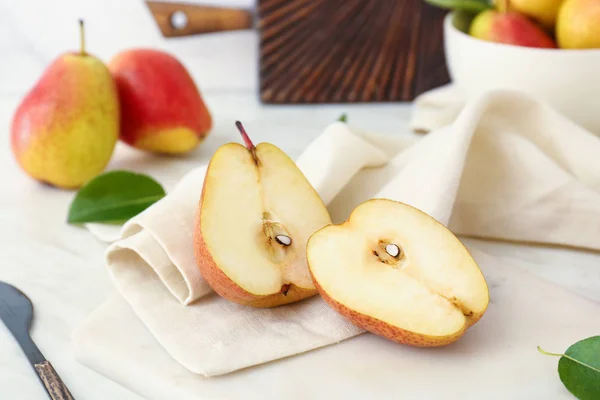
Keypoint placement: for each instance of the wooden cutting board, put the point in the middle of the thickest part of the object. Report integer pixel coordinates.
(329, 51)
(337, 51)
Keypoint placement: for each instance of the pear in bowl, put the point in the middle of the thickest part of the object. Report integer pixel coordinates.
(565, 79)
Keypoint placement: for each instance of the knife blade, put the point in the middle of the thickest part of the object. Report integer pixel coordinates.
(16, 312)
(15, 316)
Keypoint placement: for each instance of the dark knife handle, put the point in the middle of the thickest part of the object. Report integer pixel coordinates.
(54, 385)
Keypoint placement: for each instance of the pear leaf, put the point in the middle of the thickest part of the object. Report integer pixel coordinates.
(114, 196)
(343, 118)
(579, 368)
(467, 5)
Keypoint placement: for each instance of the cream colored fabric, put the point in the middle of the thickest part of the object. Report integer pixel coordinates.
(436, 108)
(508, 168)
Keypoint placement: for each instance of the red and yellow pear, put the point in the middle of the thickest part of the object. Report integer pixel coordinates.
(509, 28)
(162, 109)
(65, 129)
(397, 272)
(543, 11)
(254, 219)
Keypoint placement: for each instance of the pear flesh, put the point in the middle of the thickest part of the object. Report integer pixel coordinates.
(395, 271)
(255, 217)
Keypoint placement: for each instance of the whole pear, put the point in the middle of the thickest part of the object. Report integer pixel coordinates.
(578, 24)
(161, 106)
(543, 11)
(65, 129)
(509, 28)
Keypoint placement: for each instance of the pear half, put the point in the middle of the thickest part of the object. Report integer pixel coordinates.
(255, 216)
(395, 271)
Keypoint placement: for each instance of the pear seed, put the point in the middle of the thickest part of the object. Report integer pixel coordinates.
(283, 240)
(392, 249)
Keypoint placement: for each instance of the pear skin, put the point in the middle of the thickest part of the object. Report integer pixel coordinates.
(65, 129)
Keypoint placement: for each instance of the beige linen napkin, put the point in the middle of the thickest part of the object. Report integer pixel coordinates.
(508, 167)
(436, 108)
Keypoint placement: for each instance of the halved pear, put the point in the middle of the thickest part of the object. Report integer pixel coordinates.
(255, 216)
(395, 271)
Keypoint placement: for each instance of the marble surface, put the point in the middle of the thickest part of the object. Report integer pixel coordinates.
(60, 267)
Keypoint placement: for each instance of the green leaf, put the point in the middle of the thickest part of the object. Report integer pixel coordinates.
(467, 5)
(579, 368)
(114, 196)
(343, 118)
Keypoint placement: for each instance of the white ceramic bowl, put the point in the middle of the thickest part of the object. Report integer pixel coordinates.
(567, 79)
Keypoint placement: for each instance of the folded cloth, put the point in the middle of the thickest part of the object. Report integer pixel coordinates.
(508, 167)
(436, 108)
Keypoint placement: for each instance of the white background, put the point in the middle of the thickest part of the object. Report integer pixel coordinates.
(61, 267)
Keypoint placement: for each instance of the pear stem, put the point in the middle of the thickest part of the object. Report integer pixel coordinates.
(247, 141)
(81, 38)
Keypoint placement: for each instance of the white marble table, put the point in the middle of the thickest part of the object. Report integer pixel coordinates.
(61, 267)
